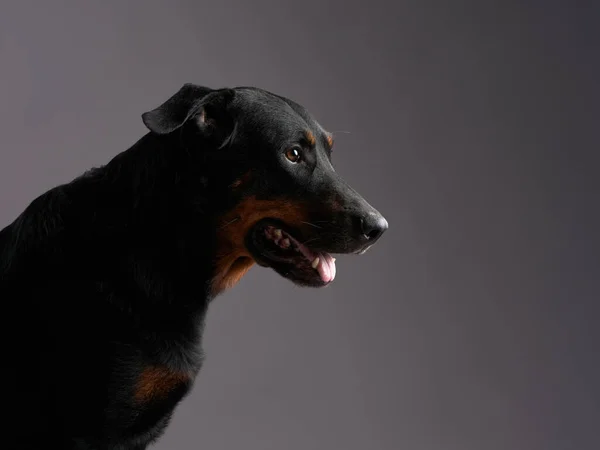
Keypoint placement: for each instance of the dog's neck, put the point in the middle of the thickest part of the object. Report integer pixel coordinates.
(145, 197)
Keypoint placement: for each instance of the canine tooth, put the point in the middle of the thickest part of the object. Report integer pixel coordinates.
(333, 259)
(315, 263)
(277, 233)
(285, 243)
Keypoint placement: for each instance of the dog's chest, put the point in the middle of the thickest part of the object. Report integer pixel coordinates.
(157, 385)
(169, 373)
(154, 381)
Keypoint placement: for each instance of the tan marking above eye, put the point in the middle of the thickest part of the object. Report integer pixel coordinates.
(329, 138)
(310, 137)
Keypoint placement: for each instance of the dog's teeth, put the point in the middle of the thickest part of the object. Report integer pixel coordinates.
(285, 243)
(333, 259)
(315, 263)
(277, 233)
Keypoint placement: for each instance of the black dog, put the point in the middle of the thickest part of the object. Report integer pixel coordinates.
(108, 277)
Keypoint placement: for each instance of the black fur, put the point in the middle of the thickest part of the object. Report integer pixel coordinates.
(105, 280)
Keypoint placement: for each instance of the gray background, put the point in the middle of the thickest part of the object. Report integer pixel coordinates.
(473, 323)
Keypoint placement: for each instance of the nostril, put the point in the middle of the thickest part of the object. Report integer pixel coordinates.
(373, 226)
(373, 234)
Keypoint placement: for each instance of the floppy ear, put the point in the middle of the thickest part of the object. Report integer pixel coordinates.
(208, 105)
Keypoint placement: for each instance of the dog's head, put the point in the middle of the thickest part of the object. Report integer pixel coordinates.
(276, 197)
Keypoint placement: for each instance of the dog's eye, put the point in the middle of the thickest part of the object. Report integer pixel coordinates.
(293, 154)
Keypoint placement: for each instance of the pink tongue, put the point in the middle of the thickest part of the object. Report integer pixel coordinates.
(326, 266)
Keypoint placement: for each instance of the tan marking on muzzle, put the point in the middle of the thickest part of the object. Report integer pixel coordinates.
(233, 258)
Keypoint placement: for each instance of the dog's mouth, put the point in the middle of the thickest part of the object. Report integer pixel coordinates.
(273, 244)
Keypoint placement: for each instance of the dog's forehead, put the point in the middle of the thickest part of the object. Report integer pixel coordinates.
(276, 111)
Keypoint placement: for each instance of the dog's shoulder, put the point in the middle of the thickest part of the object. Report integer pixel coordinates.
(49, 221)
(30, 233)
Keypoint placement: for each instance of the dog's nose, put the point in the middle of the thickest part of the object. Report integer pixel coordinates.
(373, 225)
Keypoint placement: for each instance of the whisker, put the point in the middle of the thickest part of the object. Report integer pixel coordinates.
(321, 221)
(229, 223)
(310, 240)
(312, 224)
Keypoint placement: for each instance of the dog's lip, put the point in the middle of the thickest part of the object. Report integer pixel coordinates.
(362, 251)
(299, 256)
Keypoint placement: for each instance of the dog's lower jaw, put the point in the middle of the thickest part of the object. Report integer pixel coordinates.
(228, 272)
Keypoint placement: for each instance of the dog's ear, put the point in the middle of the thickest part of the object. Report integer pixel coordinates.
(208, 107)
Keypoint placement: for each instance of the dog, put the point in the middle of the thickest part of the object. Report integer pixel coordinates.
(109, 277)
